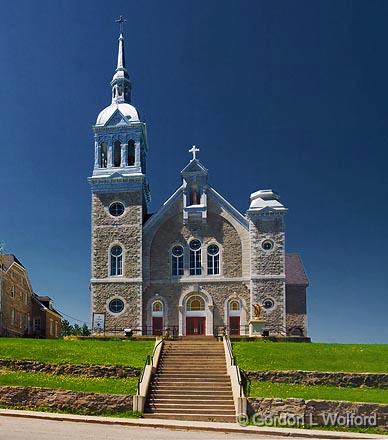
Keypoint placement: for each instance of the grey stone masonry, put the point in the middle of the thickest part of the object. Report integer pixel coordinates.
(267, 268)
(126, 231)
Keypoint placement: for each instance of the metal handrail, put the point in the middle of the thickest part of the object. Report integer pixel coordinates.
(233, 363)
(149, 361)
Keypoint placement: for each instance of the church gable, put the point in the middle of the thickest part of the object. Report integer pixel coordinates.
(117, 119)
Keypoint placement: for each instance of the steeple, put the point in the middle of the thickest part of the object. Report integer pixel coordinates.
(121, 84)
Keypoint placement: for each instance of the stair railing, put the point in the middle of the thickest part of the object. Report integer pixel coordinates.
(240, 401)
(151, 362)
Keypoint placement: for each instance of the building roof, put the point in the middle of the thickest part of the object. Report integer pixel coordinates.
(45, 302)
(295, 273)
(9, 259)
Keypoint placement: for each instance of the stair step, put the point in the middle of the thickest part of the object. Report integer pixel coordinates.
(190, 417)
(182, 402)
(205, 411)
(211, 395)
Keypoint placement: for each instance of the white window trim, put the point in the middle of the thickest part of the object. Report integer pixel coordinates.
(184, 256)
(107, 208)
(112, 245)
(220, 252)
(111, 299)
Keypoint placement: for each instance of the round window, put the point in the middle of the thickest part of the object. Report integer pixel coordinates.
(116, 251)
(177, 251)
(116, 305)
(213, 249)
(267, 245)
(195, 245)
(268, 304)
(116, 209)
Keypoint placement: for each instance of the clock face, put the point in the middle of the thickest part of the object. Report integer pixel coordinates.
(116, 209)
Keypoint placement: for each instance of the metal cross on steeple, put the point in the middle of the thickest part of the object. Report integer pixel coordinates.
(121, 20)
(194, 150)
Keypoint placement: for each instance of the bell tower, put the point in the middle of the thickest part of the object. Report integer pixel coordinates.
(120, 196)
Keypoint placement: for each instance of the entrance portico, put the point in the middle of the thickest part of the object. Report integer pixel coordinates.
(196, 314)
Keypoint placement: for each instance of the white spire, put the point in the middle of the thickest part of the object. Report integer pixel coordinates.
(121, 85)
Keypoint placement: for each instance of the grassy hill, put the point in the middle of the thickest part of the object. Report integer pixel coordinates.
(92, 352)
(266, 355)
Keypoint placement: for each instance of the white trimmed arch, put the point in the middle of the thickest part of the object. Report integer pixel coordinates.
(149, 314)
(207, 313)
(242, 313)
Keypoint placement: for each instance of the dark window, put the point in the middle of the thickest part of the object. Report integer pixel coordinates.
(267, 245)
(195, 257)
(116, 154)
(116, 261)
(177, 261)
(131, 152)
(116, 305)
(213, 260)
(268, 304)
(116, 209)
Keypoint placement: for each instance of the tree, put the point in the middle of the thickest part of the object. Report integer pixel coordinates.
(76, 330)
(67, 328)
(85, 330)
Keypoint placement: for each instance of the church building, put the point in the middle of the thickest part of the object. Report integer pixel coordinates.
(197, 266)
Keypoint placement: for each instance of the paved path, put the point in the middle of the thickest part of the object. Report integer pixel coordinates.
(12, 428)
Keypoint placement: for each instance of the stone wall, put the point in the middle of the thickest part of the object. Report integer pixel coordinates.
(296, 314)
(317, 411)
(379, 380)
(215, 230)
(73, 370)
(125, 230)
(130, 293)
(92, 403)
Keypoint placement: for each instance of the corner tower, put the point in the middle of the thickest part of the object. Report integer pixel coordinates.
(120, 196)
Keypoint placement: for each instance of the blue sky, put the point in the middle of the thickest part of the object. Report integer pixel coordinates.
(284, 95)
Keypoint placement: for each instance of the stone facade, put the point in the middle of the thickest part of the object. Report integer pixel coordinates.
(338, 379)
(86, 403)
(317, 411)
(70, 369)
(23, 312)
(149, 294)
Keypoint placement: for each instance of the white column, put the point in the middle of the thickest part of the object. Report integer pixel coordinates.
(96, 155)
(110, 154)
(137, 154)
(124, 155)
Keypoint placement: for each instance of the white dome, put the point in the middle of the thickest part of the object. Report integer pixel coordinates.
(128, 110)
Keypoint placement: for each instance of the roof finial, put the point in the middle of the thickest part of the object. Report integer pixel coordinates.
(121, 20)
(194, 150)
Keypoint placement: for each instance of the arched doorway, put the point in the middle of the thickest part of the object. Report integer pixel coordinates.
(157, 318)
(195, 314)
(234, 321)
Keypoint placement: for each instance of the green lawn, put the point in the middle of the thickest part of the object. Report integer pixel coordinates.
(73, 383)
(92, 352)
(324, 392)
(266, 355)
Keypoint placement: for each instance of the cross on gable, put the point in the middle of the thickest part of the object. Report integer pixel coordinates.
(194, 150)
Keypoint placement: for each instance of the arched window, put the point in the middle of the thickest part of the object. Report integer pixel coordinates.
(234, 306)
(131, 152)
(213, 260)
(195, 304)
(103, 159)
(157, 306)
(116, 261)
(195, 257)
(177, 261)
(116, 154)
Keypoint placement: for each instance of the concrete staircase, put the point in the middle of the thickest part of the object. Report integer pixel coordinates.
(191, 382)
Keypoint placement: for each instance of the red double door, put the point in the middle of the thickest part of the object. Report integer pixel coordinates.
(157, 326)
(195, 326)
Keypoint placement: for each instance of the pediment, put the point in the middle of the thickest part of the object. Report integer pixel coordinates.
(193, 167)
(117, 119)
